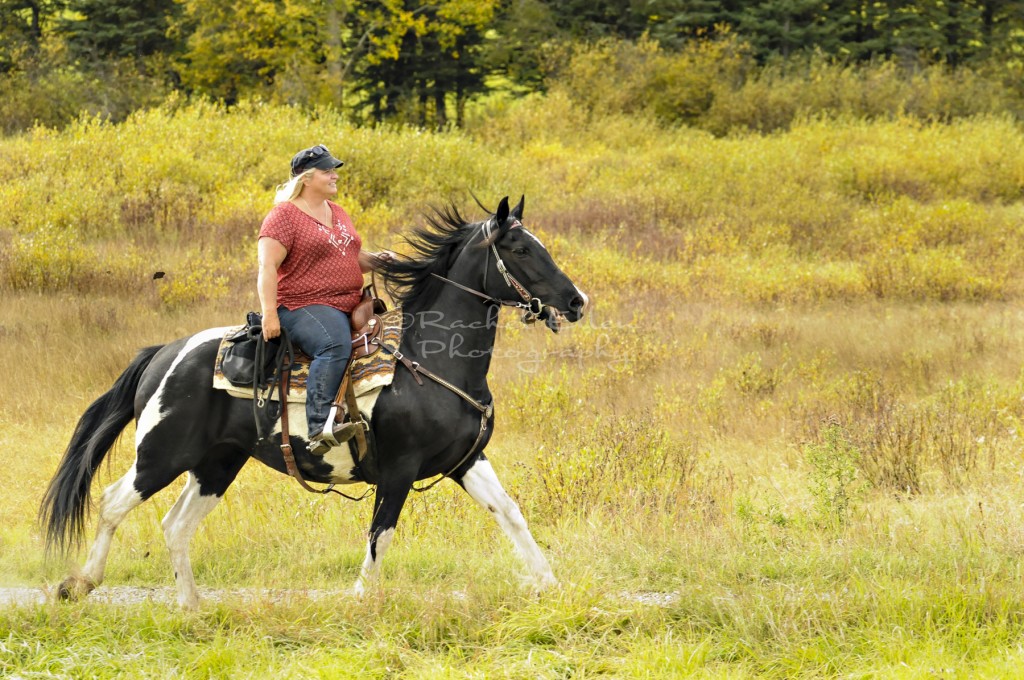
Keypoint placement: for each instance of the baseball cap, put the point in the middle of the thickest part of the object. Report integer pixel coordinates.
(314, 157)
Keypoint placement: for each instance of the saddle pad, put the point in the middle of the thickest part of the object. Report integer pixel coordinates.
(370, 373)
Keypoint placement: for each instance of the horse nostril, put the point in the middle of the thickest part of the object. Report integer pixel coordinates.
(576, 304)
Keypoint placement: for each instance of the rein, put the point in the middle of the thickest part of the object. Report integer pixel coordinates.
(533, 307)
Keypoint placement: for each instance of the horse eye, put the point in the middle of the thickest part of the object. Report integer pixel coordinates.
(520, 251)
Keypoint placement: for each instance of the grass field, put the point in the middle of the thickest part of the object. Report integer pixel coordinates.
(785, 443)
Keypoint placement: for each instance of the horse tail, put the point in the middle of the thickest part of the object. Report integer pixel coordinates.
(65, 503)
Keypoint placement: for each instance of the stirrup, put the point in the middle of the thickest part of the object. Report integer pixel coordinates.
(332, 429)
(329, 438)
(336, 434)
(318, 446)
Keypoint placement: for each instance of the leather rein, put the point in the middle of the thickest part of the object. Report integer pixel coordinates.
(533, 307)
(284, 360)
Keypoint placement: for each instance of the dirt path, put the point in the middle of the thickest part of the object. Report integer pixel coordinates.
(130, 595)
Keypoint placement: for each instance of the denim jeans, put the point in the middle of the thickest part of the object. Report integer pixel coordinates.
(324, 333)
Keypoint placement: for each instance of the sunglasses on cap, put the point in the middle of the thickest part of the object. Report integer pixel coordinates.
(314, 157)
(317, 151)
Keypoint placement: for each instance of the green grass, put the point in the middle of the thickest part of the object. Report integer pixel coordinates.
(772, 601)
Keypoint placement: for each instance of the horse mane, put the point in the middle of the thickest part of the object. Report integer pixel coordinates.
(409, 280)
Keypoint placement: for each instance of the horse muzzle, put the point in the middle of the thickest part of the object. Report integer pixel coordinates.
(553, 318)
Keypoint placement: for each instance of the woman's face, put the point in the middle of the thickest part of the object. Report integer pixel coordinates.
(323, 182)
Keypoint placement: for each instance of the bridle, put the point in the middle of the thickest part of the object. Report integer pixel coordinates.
(532, 306)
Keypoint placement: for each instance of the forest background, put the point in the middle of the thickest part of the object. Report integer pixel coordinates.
(785, 441)
(402, 61)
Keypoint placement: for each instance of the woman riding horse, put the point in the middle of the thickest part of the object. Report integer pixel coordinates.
(451, 289)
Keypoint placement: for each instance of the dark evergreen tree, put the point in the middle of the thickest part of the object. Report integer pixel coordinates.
(438, 62)
(786, 27)
(524, 31)
(22, 25)
(1002, 27)
(103, 29)
(673, 22)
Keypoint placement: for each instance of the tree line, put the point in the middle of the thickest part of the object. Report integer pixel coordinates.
(408, 60)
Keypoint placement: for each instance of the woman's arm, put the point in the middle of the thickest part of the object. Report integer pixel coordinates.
(271, 255)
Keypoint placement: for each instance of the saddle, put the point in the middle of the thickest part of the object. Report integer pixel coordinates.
(245, 361)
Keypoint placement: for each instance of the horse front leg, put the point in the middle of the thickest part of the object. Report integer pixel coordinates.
(387, 506)
(483, 486)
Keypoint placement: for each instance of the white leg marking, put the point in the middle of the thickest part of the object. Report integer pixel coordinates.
(151, 414)
(118, 500)
(371, 567)
(179, 526)
(483, 485)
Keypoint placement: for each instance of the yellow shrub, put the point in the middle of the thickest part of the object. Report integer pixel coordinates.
(50, 259)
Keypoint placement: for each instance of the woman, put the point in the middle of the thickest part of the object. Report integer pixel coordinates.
(311, 266)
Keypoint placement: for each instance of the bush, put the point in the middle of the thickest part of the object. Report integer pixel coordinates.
(717, 86)
(778, 95)
(618, 462)
(615, 77)
(834, 478)
(939, 274)
(845, 210)
(47, 260)
(53, 93)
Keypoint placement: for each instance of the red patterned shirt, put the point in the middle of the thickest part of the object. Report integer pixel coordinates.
(322, 264)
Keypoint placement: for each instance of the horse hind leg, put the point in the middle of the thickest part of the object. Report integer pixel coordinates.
(483, 486)
(119, 499)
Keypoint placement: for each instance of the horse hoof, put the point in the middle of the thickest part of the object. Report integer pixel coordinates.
(64, 592)
(73, 588)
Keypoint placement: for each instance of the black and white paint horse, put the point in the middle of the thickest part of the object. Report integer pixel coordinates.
(451, 290)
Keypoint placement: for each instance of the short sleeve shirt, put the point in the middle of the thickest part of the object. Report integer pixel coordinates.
(322, 264)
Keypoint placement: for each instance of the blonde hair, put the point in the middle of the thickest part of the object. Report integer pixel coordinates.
(293, 187)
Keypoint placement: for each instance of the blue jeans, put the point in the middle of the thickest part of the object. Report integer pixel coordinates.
(324, 333)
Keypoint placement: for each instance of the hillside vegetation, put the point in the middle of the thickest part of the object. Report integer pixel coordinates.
(830, 210)
(784, 443)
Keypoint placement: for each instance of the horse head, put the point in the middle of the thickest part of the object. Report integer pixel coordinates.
(527, 272)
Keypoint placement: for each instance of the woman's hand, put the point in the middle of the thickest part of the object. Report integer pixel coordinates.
(373, 261)
(271, 325)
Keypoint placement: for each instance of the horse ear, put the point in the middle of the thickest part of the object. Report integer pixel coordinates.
(501, 216)
(517, 212)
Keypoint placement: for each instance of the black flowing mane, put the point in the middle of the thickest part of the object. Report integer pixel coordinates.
(409, 280)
